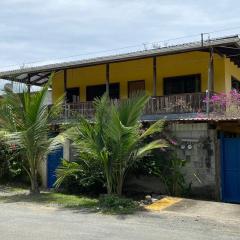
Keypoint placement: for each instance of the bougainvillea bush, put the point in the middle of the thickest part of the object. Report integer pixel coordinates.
(224, 104)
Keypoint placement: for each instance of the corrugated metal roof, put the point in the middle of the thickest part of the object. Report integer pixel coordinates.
(41, 73)
(191, 117)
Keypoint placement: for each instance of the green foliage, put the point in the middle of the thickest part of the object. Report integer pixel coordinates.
(114, 139)
(5, 154)
(168, 167)
(114, 204)
(25, 119)
(81, 177)
(173, 177)
(10, 163)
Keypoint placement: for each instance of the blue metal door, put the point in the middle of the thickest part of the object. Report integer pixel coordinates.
(53, 162)
(230, 169)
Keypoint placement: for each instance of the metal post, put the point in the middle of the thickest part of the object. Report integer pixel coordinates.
(202, 39)
(29, 83)
(207, 102)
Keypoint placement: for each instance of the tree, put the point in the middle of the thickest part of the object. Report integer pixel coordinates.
(25, 120)
(114, 137)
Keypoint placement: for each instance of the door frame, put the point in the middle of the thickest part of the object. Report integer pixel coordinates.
(136, 81)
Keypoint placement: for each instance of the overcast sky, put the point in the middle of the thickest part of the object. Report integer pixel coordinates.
(34, 30)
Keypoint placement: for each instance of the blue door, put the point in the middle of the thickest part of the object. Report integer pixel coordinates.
(54, 159)
(230, 169)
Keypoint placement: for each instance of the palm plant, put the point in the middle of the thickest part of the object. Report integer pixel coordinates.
(25, 120)
(114, 137)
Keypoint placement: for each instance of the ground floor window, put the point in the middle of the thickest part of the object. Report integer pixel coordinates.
(182, 84)
(72, 95)
(98, 90)
(135, 86)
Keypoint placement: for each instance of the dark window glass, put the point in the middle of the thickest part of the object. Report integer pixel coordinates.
(99, 90)
(235, 84)
(182, 84)
(72, 95)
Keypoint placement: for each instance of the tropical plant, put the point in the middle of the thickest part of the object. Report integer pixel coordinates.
(82, 177)
(25, 119)
(114, 138)
(10, 162)
(224, 104)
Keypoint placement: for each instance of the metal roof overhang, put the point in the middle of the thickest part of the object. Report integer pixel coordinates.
(39, 75)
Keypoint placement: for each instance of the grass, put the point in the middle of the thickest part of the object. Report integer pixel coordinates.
(106, 204)
(112, 204)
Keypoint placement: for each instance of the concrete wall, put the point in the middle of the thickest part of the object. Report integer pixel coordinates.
(197, 146)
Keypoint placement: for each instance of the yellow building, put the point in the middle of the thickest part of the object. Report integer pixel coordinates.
(177, 75)
(178, 79)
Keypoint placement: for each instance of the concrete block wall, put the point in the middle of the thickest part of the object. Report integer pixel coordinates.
(197, 147)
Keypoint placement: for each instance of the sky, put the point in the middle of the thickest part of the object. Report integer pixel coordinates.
(38, 32)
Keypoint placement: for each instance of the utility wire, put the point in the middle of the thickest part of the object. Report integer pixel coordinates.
(122, 48)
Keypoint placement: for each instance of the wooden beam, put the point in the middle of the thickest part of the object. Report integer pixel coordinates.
(154, 76)
(65, 79)
(211, 71)
(107, 77)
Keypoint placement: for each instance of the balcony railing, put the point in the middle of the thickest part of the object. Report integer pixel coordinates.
(171, 104)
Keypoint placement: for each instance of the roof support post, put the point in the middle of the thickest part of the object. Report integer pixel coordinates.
(65, 83)
(29, 83)
(154, 76)
(107, 78)
(211, 72)
(210, 78)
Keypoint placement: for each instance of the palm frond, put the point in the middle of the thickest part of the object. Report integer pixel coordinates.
(131, 109)
(150, 146)
(65, 170)
(157, 127)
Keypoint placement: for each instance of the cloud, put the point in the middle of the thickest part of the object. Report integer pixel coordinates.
(34, 30)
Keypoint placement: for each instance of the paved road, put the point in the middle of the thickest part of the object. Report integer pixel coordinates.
(187, 220)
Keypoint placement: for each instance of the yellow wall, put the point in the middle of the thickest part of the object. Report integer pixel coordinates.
(230, 70)
(167, 66)
(57, 85)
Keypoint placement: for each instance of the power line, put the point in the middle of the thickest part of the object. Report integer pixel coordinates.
(122, 48)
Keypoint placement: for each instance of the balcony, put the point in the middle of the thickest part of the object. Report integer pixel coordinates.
(179, 104)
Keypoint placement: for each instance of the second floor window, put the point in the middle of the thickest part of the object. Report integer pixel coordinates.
(182, 84)
(98, 90)
(72, 95)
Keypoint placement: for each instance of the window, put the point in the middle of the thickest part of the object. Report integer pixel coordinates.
(182, 84)
(235, 84)
(72, 95)
(135, 86)
(99, 90)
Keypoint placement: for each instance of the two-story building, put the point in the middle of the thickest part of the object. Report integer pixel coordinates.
(177, 78)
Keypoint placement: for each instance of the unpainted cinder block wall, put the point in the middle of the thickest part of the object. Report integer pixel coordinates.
(197, 146)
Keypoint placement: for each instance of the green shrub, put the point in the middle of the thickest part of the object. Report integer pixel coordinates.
(11, 167)
(114, 204)
(168, 167)
(86, 177)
